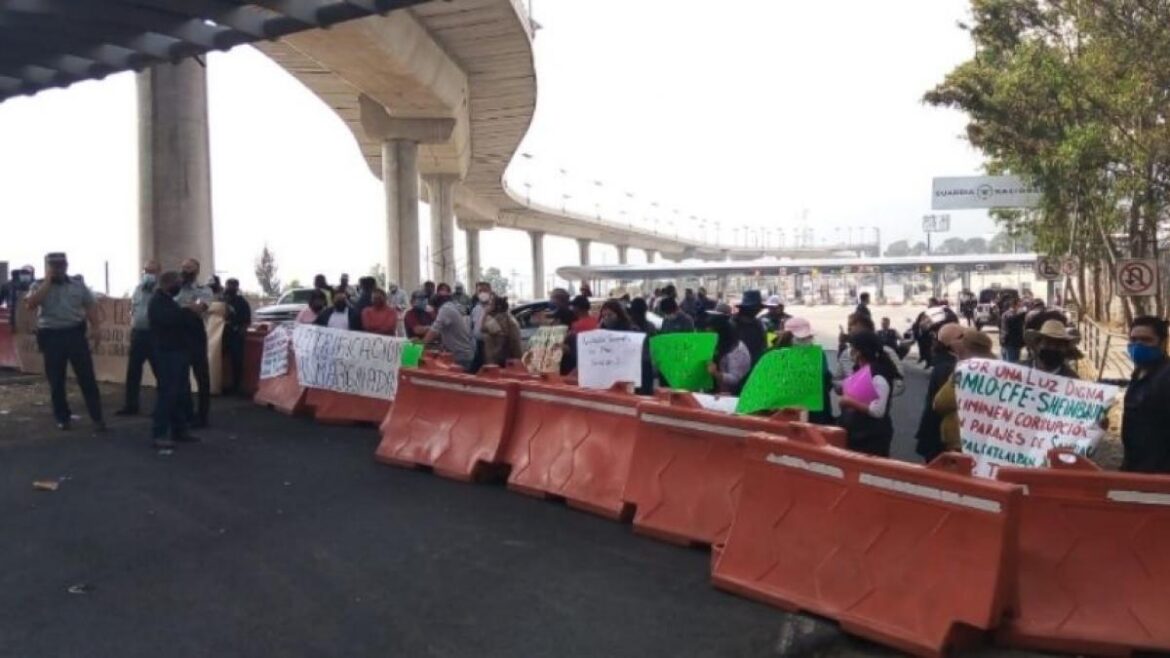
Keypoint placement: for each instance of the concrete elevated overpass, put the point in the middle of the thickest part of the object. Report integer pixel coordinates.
(438, 96)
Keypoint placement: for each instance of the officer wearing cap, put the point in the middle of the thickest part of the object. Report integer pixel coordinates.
(196, 299)
(64, 306)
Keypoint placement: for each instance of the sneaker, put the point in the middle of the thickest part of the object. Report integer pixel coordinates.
(163, 444)
(187, 438)
(126, 411)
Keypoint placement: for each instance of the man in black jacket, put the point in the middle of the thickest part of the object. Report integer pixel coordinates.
(235, 332)
(929, 433)
(341, 315)
(170, 327)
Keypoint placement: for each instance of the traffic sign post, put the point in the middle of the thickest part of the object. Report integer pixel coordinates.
(934, 224)
(1137, 277)
(1047, 269)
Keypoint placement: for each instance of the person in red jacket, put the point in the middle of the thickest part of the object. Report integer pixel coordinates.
(379, 317)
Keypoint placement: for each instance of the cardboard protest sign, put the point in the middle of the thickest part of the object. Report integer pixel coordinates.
(605, 358)
(682, 359)
(1013, 415)
(274, 358)
(793, 377)
(411, 355)
(545, 350)
(347, 361)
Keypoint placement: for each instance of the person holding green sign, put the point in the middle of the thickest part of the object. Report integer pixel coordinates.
(732, 361)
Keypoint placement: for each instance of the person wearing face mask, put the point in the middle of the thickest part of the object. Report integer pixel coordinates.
(1052, 348)
(614, 317)
(396, 297)
(317, 303)
(340, 315)
(141, 342)
(235, 332)
(419, 318)
(972, 344)
(866, 395)
(501, 334)
(365, 298)
(379, 317)
(929, 435)
(169, 329)
(461, 297)
(196, 300)
(64, 307)
(451, 329)
(800, 329)
(483, 304)
(1144, 432)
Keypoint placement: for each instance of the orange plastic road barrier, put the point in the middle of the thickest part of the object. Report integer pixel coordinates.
(333, 408)
(1094, 567)
(687, 466)
(915, 557)
(283, 393)
(453, 423)
(573, 443)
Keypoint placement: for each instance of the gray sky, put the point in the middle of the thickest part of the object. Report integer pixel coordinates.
(744, 112)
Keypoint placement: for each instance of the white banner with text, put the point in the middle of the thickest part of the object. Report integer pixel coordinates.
(347, 361)
(605, 358)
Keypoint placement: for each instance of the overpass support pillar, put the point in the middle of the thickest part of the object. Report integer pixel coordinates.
(400, 183)
(583, 250)
(966, 280)
(442, 189)
(537, 264)
(174, 166)
(474, 273)
(623, 254)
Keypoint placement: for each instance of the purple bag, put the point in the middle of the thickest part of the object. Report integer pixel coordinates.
(859, 386)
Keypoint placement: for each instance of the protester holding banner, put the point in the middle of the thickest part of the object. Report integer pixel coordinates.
(341, 315)
(732, 361)
(1145, 429)
(379, 317)
(971, 344)
(501, 334)
(866, 396)
(1052, 348)
(802, 334)
(929, 437)
(141, 342)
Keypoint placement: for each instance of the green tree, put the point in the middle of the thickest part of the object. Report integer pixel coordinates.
(898, 248)
(976, 246)
(294, 284)
(952, 246)
(1071, 94)
(498, 281)
(266, 272)
(919, 249)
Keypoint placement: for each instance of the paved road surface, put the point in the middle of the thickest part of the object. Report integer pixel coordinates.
(278, 537)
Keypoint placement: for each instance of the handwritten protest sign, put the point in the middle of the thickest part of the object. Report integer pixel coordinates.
(605, 358)
(793, 377)
(682, 359)
(1013, 415)
(411, 355)
(724, 404)
(274, 358)
(347, 361)
(545, 350)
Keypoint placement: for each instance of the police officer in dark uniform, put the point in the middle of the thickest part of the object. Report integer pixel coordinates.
(196, 299)
(64, 306)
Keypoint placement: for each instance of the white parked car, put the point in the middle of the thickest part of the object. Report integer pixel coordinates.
(285, 309)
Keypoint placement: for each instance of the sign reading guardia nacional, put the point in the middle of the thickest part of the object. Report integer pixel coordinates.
(975, 192)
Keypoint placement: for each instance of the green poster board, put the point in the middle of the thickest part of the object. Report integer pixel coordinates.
(411, 355)
(682, 359)
(793, 377)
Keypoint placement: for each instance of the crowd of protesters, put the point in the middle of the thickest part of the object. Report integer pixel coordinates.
(168, 333)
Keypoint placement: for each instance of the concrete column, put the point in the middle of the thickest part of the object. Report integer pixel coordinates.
(537, 264)
(583, 250)
(442, 188)
(726, 255)
(650, 255)
(623, 254)
(400, 182)
(474, 273)
(174, 166)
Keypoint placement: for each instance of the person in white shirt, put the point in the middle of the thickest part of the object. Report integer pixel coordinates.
(341, 315)
(866, 394)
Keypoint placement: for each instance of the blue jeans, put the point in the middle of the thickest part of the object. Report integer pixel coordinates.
(171, 409)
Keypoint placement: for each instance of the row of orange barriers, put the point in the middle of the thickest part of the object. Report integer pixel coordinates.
(922, 559)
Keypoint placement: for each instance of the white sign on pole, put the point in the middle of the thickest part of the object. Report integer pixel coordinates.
(347, 361)
(274, 359)
(605, 358)
(974, 192)
(1137, 277)
(936, 223)
(1012, 415)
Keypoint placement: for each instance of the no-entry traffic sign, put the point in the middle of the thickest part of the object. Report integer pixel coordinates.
(1047, 269)
(1137, 277)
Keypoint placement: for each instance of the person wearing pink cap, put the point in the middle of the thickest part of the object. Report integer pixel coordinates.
(802, 334)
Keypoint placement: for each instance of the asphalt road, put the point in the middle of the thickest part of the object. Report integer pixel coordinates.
(279, 537)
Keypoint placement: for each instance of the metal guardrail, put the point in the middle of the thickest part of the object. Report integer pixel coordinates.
(1105, 350)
